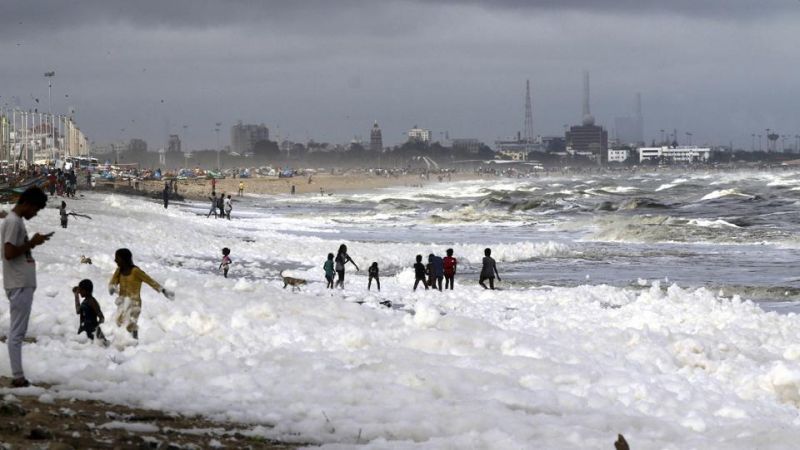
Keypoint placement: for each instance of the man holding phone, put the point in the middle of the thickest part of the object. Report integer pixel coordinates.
(19, 273)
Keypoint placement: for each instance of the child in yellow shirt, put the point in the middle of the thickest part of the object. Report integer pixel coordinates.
(126, 283)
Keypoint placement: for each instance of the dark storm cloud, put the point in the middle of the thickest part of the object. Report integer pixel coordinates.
(326, 69)
(722, 9)
(21, 16)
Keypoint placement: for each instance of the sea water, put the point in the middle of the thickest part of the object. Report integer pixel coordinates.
(656, 305)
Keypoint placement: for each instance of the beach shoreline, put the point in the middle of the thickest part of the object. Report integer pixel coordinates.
(322, 184)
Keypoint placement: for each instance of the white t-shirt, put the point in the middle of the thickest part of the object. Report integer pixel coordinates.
(19, 272)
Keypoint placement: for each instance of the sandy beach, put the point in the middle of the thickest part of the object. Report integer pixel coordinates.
(199, 189)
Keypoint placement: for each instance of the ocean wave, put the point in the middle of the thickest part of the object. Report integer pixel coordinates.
(663, 228)
(718, 223)
(733, 192)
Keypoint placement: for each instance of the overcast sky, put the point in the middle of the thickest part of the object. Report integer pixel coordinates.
(326, 69)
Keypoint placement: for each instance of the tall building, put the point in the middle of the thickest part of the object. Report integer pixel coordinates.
(174, 144)
(376, 138)
(174, 156)
(137, 146)
(588, 139)
(528, 137)
(245, 136)
(630, 130)
(417, 134)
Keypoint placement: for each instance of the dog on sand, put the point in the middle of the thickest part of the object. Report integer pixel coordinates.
(295, 283)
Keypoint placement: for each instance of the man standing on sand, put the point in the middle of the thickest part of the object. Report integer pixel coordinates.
(19, 273)
(241, 188)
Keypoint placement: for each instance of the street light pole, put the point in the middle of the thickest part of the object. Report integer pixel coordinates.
(49, 76)
(218, 124)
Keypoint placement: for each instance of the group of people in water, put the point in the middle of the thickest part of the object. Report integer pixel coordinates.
(431, 275)
(19, 277)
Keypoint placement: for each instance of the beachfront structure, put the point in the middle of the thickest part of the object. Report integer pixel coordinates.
(680, 154)
(468, 145)
(245, 136)
(39, 137)
(514, 155)
(618, 155)
(417, 134)
(375, 138)
(587, 139)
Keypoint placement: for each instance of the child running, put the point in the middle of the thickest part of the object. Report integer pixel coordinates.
(226, 261)
(450, 265)
(489, 270)
(127, 282)
(374, 273)
(328, 267)
(89, 311)
(419, 273)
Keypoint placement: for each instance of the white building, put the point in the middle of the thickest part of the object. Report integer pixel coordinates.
(245, 136)
(686, 154)
(618, 155)
(419, 134)
(515, 155)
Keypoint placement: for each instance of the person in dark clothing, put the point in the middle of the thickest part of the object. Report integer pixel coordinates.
(64, 214)
(437, 269)
(165, 194)
(419, 273)
(374, 273)
(221, 205)
(89, 311)
(342, 258)
(489, 270)
(450, 265)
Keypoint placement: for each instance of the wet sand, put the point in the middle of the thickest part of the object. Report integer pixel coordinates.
(37, 417)
(200, 189)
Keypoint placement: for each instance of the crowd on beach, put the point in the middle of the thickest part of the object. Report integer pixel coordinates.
(19, 276)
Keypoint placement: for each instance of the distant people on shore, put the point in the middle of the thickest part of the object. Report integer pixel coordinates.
(19, 273)
(241, 188)
(489, 270)
(342, 258)
(165, 195)
(126, 283)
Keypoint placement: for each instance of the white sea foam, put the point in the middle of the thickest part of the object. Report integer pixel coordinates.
(469, 368)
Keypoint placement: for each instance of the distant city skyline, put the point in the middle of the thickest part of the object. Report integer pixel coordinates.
(721, 70)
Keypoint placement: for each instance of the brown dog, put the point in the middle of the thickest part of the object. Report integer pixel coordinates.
(295, 283)
(85, 260)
